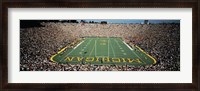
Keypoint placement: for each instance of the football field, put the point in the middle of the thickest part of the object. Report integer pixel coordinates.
(103, 51)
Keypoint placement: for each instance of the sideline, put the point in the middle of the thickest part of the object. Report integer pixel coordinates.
(127, 45)
(62, 51)
(146, 54)
(57, 54)
(78, 45)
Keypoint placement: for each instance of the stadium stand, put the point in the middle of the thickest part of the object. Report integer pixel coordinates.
(38, 44)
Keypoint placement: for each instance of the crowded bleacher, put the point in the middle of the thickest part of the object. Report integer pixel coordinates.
(38, 44)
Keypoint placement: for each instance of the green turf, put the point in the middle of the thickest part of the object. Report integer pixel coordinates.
(101, 51)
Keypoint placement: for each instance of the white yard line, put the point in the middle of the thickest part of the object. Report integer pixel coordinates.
(117, 43)
(112, 50)
(127, 46)
(96, 41)
(95, 48)
(92, 49)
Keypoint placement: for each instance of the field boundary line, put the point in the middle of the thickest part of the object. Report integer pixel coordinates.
(74, 49)
(57, 54)
(146, 54)
(70, 52)
(53, 57)
(78, 45)
(61, 51)
(127, 46)
(138, 56)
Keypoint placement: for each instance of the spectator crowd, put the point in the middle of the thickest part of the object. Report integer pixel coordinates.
(38, 44)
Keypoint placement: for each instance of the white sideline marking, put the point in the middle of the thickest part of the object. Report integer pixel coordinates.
(73, 49)
(127, 46)
(78, 45)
